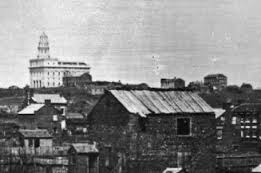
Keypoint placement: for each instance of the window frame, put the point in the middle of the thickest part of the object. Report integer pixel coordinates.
(190, 126)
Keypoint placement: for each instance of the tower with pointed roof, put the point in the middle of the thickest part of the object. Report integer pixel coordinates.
(47, 72)
(43, 47)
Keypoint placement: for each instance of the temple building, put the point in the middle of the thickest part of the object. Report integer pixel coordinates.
(47, 72)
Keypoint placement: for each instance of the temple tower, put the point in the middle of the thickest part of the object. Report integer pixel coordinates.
(43, 47)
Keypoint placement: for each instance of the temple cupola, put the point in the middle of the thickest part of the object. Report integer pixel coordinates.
(43, 47)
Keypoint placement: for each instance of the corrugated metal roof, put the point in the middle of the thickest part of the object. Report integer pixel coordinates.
(146, 102)
(55, 98)
(36, 133)
(30, 109)
(85, 148)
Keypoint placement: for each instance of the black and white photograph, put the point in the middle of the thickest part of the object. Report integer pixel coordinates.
(130, 86)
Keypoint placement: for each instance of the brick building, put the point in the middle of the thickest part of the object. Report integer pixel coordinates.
(176, 83)
(218, 81)
(239, 138)
(150, 130)
(241, 127)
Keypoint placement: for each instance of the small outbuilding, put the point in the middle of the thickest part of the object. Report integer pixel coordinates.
(35, 138)
(83, 158)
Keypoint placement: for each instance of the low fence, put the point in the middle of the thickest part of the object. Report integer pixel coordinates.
(40, 151)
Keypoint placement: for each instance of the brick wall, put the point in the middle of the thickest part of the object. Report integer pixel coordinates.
(138, 145)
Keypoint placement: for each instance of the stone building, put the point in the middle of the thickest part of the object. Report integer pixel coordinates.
(47, 72)
(150, 130)
(218, 81)
(175, 83)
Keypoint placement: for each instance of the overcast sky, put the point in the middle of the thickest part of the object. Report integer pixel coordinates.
(119, 38)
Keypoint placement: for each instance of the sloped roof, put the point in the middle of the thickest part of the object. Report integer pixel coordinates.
(146, 102)
(36, 133)
(257, 169)
(30, 109)
(74, 115)
(85, 148)
(172, 170)
(218, 112)
(248, 107)
(55, 98)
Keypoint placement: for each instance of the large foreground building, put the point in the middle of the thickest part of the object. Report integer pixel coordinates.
(49, 72)
(147, 131)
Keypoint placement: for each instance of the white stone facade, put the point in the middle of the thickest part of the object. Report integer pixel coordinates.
(49, 72)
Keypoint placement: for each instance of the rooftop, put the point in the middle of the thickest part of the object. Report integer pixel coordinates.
(55, 98)
(85, 148)
(30, 109)
(215, 75)
(36, 133)
(144, 102)
(253, 107)
(74, 115)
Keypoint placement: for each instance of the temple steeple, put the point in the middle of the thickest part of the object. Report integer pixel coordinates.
(43, 47)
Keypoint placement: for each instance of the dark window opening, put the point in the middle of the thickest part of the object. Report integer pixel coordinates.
(142, 123)
(108, 150)
(183, 126)
(37, 143)
(55, 130)
(30, 142)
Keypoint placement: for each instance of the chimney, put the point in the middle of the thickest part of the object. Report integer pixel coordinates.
(47, 102)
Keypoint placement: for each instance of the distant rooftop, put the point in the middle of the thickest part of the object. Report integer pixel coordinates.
(74, 115)
(54, 98)
(215, 75)
(251, 107)
(30, 109)
(85, 148)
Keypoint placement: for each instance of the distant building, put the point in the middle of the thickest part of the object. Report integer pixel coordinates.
(217, 81)
(175, 83)
(246, 87)
(153, 130)
(42, 116)
(58, 101)
(77, 81)
(49, 72)
(198, 86)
